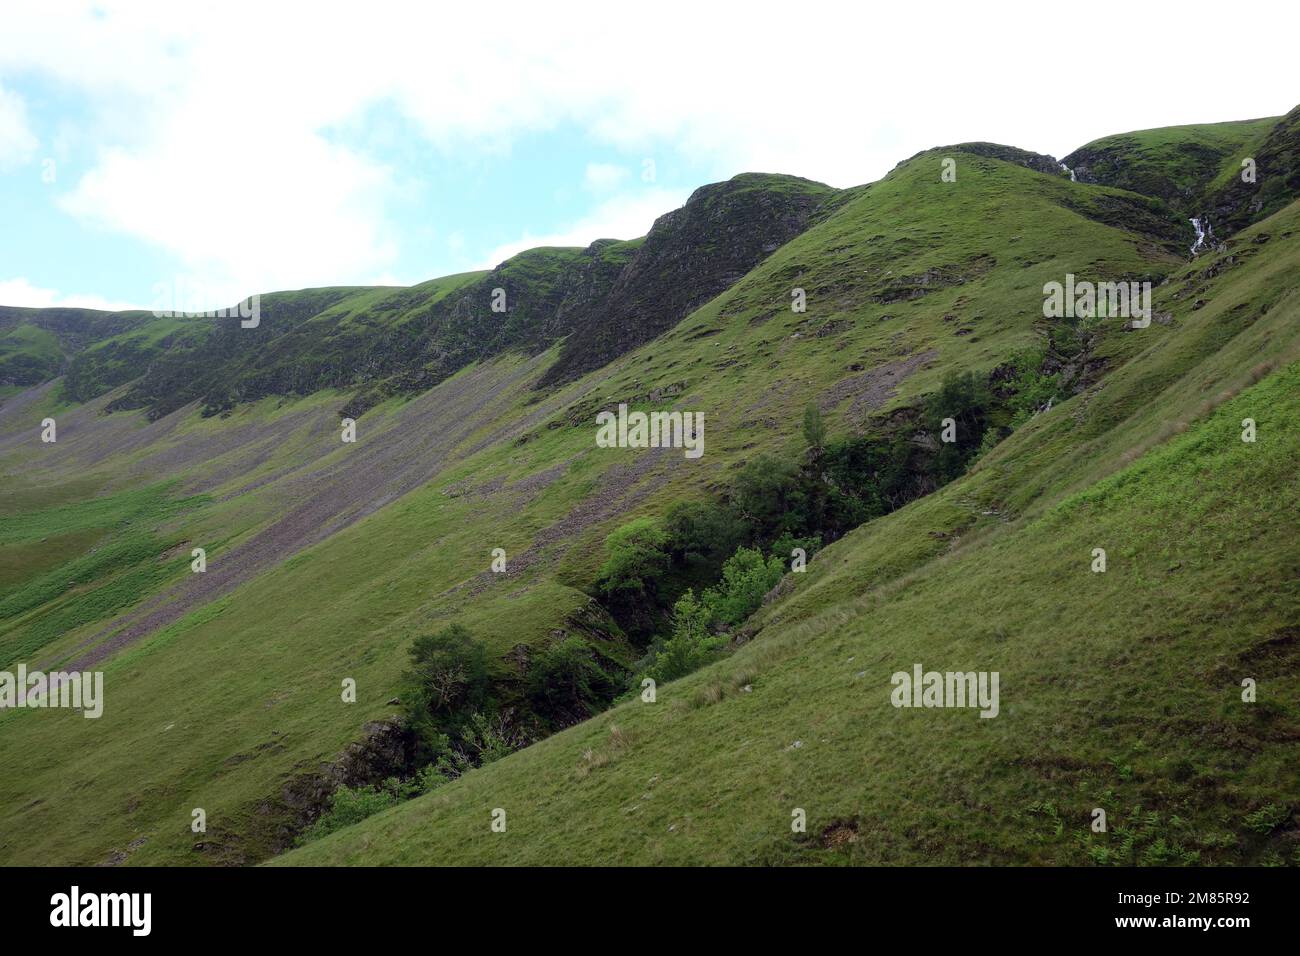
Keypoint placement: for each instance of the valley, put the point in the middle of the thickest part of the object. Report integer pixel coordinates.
(945, 446)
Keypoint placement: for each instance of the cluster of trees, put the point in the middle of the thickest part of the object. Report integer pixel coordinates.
(778, 503)
(800, 500)
(458, 717)
(693, 638)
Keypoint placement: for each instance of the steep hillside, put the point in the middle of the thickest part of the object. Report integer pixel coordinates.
(1225, 175)
(381, 342)
(688, 257)
(326, 560)
(1120, 690)
(37, 344)
(1174, 164)
(1233, 203)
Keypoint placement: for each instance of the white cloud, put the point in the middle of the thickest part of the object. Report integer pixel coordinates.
(621, 217)
(212, 123)
(17, 142)
(20, 292)
(303, 213)
(602, 177)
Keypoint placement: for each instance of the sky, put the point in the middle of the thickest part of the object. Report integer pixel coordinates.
(241, 147)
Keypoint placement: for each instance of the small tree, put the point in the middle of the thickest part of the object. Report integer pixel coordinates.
(636, 556)
(566, 683)
(691, 646)
(965, 399)
(703, 530)
(746, 578)
(445, 683)
(770, 497)
(485, 739)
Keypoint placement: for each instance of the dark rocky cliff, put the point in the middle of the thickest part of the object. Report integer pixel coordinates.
(689, 256)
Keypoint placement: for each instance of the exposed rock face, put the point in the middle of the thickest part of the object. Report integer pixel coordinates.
(407, 341)
(1237, 204)
(1198, 189)
(689, 256)
(214, 359)
(1111, 164)
(586, 282)
(606, 299)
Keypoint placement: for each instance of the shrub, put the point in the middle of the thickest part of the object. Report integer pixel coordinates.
(349, 805)
(783, 547)
(966, 399)
(566, 682)
(1031, 388)
(430, 778)
(636, 556)
(483, 739)
(871, 475)
(769, 497)
(446, 683)
(704, 530)
(690, 647)
(746, 578)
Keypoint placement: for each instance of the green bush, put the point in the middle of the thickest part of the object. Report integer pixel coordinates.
(636, 556)
(783, 547)
(1030, 387)
(875, 473)
(483, 739)
(446, 683)
(349, 805)
(966, 399)
(566, 683)
(769, 497)
(703, 530)
(746, 578)
(690, 647)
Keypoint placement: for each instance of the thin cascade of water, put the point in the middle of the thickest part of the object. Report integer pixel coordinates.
(1203, 232)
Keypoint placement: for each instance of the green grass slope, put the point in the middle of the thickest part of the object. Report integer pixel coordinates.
(1232, 202)
(1174, 163)
(1228, 175)
(326, 560)
(1119, 690)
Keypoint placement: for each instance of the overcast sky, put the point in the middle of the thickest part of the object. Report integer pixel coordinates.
(270, 145)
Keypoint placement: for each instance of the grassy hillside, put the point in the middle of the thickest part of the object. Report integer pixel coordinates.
(376, 343)
(31, 355)
(1201, 171)
(1234, 202)
(1175, 163)
(326, 560)
(1120, 690)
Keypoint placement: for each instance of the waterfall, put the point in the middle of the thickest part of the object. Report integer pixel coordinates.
(1203, 232)
(1068, 170)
